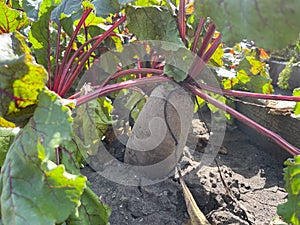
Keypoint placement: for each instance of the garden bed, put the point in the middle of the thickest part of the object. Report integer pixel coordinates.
(252, 188)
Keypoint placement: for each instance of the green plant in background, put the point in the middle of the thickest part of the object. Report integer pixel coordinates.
(290, 211)
(245, 68)
(291, 51)
(285, 74)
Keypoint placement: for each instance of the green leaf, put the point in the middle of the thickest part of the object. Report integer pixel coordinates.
(272, 24)
(34, 189)
(290, 210)
(178, 62)
(20, 77)
(43, 38)
(67, 13)
(152, 23)
(296, 92)
(66, 9)
(91, 121)
(149, 2)
(7, 136)
(217, 56)
(70, 155)
(11, 19)
(91, 210)
(32, 8)
(104, 8)
(257, 84)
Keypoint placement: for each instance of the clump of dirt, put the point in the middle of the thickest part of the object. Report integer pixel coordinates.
(243, 185)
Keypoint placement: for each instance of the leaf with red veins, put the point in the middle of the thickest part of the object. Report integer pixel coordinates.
(21, 78)
(11, 19)
(34, 189)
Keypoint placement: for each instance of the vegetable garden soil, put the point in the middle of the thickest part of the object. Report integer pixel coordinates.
(245, 188)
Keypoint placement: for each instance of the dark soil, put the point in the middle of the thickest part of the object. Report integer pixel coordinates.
(245, 188)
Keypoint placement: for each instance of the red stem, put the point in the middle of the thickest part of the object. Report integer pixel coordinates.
(11, 96)
(207, 39)
(197, 35)
(131, 71)
(119, 86)
(72, 59)
(248, 94)
(86, 39)
(124, 73)
(208, 54)
(181, 20)
(57, 54)
(2, 30)
(203, 57)
(49, 83)
(87, 54)
(275, 137)
(69, 47)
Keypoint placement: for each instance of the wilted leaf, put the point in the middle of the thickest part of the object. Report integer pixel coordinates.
(91, 210)
(34, 189)
(11, 19)
(152, 23)
(272, 24)
(21, 79)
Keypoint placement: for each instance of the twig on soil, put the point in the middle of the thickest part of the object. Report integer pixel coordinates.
(249, 218)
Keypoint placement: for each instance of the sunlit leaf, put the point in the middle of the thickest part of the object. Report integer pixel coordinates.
(20, 77)
(243, 77)
(296, 92)
(290, 210)
(218, 55)
(148, 2)
(256, 65)
(6, 123)
(11, 19)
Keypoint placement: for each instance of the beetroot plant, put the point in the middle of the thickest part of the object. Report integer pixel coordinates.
(46, 48)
